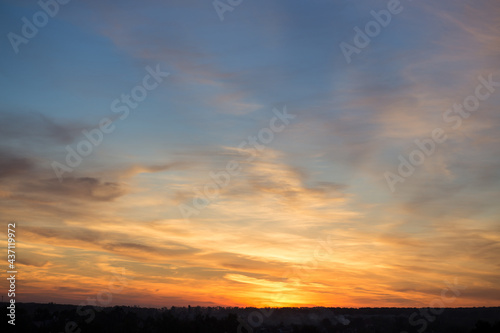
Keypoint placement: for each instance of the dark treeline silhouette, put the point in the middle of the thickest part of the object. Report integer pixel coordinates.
(56, 318)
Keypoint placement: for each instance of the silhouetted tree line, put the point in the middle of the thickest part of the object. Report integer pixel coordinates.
(56, 318)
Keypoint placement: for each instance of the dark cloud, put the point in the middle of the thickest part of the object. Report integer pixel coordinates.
(34, 126)
(108, 241)
(246, 264)
(11, 165)
(85, 188)
(32, 259)
(65, 233)
(171, 250)
(60, 133)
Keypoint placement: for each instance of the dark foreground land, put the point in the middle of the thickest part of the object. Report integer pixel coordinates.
(55, 318)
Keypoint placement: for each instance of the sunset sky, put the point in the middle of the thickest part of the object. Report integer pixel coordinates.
(242, 157)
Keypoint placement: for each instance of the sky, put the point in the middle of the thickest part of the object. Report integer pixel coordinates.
(339, 153)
